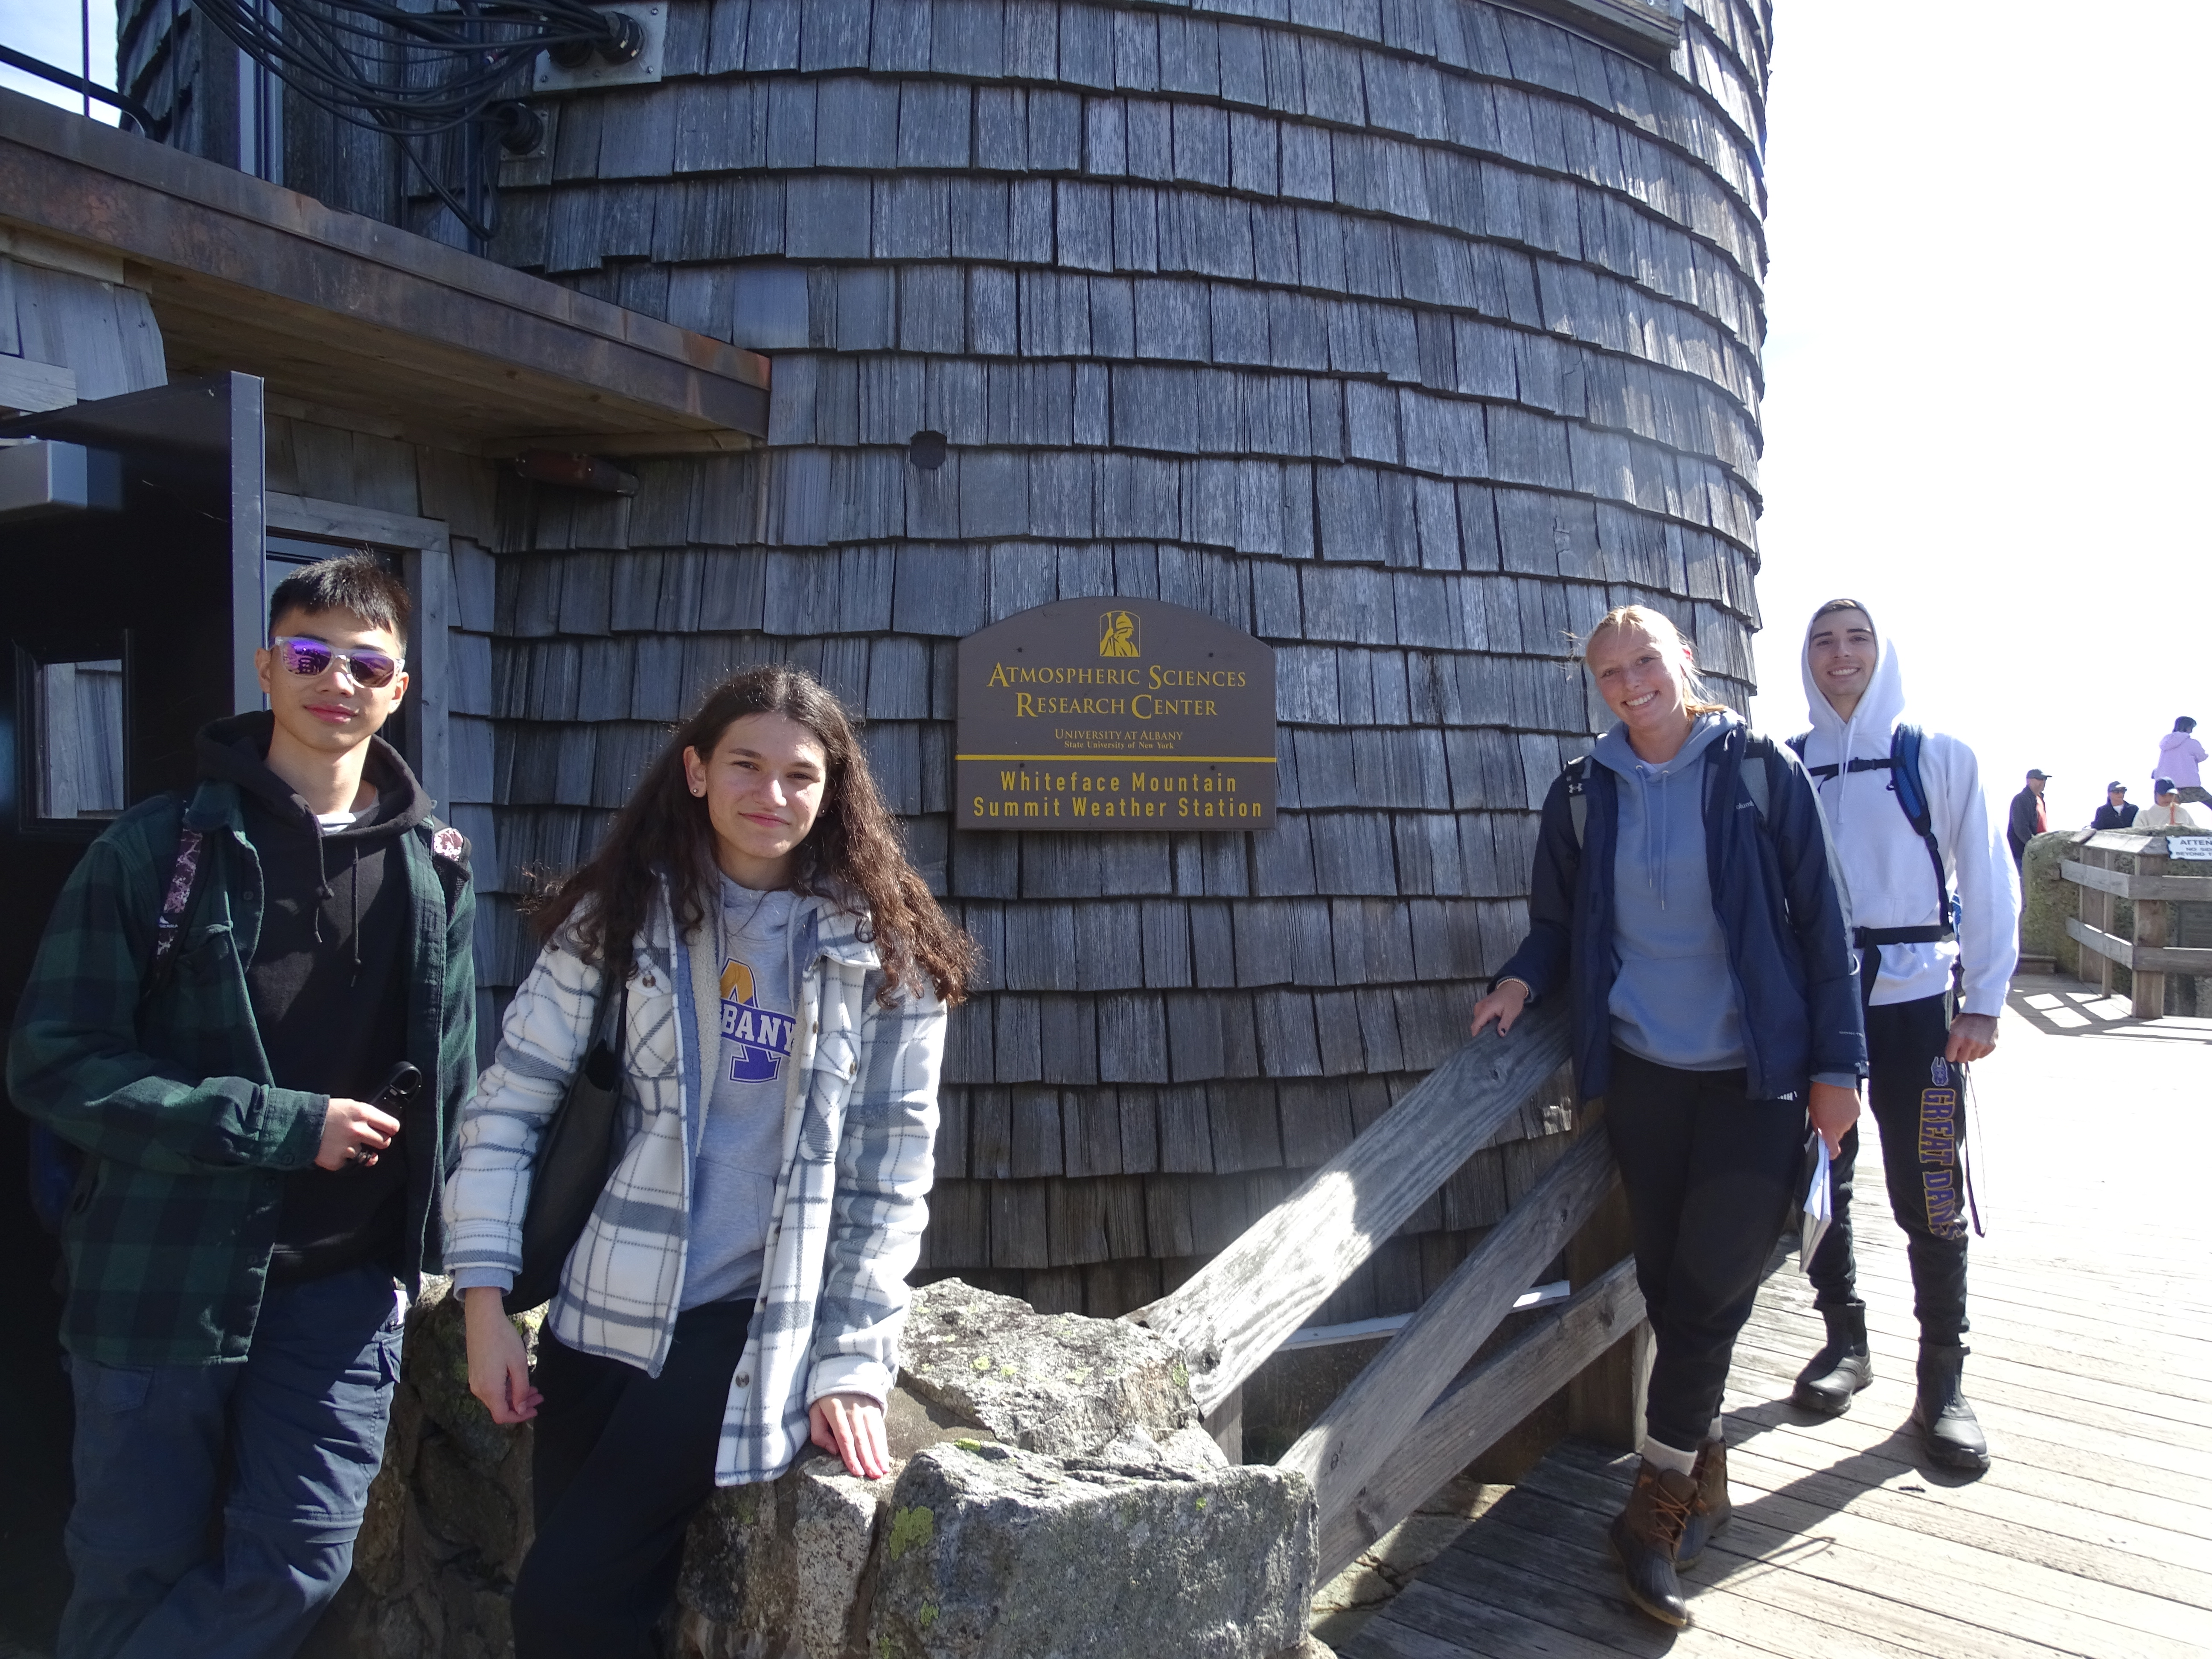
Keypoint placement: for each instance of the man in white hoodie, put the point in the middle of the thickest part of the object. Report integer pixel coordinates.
(1935, 973)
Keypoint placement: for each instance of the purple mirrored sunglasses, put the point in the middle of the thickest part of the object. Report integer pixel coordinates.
(364, 665)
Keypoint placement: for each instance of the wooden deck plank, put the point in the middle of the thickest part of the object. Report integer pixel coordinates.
(1898, 1568)
(2058, 1474)
(1542, 1535)
(1733, 1597)
(1789, 1345)
(2092, 1373)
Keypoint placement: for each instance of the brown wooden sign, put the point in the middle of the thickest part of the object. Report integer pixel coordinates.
(1115, 714)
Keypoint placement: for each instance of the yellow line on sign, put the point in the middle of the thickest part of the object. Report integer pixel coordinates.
(1244, 760)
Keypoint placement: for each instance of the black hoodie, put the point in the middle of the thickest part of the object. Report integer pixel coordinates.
(327, 982)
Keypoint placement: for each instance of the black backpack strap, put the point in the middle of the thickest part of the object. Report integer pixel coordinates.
(1903, 765)
(1577, 772)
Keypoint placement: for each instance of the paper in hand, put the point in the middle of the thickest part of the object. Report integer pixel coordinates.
(1813, 1216)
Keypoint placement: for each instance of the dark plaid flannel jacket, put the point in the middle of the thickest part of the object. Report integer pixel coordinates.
(188, 1138)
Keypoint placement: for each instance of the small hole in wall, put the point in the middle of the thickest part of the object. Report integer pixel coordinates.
(926, 449)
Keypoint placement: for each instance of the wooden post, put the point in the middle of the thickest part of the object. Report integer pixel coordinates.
(2106, 906)
(1225, 1423)
(1605, 1402)
(2150, 930)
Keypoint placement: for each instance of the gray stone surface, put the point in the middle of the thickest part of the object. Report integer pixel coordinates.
(781, 1569)
(997, 1553)
(1058, 1384)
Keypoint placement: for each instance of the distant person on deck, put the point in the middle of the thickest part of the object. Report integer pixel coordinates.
(1934, 970)
(2118, 811)
(1683, 903)
(2179, 757)
(2171, 812)
(2029, 819)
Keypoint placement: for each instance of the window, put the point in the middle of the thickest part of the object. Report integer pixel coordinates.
(78, 711)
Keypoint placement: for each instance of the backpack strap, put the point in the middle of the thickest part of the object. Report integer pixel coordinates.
(1756, 782)
(1913, 800)
(1903, 765)
(1577, 772)
(176, 899)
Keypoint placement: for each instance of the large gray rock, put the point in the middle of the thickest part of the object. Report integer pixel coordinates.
(1057, 1383)
(781, 1570)
(997, 1553)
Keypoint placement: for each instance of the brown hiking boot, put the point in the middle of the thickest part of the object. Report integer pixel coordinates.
(1710, 1510)
(1645, 1537)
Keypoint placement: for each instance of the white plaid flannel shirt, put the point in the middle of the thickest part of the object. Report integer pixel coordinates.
(849, 1206)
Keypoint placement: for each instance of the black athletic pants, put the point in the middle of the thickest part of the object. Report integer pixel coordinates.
(622, 1460)
(1917, 1102)
(1708, 1173)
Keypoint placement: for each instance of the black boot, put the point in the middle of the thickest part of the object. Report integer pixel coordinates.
(1710, 1510)
(1946, 1421)
(1841, 1369)
(1645, 1537)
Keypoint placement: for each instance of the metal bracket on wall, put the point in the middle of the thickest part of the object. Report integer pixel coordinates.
(595, 72)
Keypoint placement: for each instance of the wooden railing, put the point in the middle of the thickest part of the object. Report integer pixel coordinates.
(1411, 1421)
(2151, 888)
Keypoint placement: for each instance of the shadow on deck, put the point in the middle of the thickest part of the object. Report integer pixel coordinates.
(2092, 1373)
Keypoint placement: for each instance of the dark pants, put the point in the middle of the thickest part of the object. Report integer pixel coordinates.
(1708, 1173)
(622, 1460)
(282, 1447)
(1918, 1104)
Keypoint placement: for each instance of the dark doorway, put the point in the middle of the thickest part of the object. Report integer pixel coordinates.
(123, 630)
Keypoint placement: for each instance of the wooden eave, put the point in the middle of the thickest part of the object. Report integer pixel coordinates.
(341, 311)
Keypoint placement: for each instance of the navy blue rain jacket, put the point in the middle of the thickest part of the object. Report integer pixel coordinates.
(1796, 978)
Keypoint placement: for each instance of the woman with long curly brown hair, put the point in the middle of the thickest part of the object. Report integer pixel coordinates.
(783, 976)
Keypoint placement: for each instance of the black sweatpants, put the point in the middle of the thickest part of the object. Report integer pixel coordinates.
(1917, 1102)
(1708, 1173)
(621, 1462)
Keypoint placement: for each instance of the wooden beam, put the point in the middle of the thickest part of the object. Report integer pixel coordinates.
(1371, 1419)
(33, 388)
(1481, 1406)
(2185, 888)
(1238, 1307)
(2161, 959)
(339, 308)
(2150, 988)
(2125, 841)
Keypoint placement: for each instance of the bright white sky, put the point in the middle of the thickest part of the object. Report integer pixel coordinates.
(1988, 372)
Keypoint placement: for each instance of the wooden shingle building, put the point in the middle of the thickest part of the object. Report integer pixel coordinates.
(1406, 335)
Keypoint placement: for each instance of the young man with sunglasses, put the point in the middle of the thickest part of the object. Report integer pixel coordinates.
(231, 991)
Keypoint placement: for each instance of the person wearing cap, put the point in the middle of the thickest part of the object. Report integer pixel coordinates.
(2118, 811)
(2179, 755)
(1911, 829)
(2171, 812)
(2029, 819)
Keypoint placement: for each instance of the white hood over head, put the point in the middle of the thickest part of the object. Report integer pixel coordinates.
(1879, 710)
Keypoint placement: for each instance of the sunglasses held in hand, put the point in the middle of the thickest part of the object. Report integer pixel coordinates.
(365, 665)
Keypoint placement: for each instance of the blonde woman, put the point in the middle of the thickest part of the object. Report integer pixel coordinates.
(1692, 921)
(741, 1285)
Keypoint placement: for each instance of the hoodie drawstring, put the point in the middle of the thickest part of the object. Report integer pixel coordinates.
(322, 876)
(1655, 829)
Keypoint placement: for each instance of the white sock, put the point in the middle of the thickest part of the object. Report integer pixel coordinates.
(1661, 1456)
(1719, 1429)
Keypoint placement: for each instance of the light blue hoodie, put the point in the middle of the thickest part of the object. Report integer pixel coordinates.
(1674, 998)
